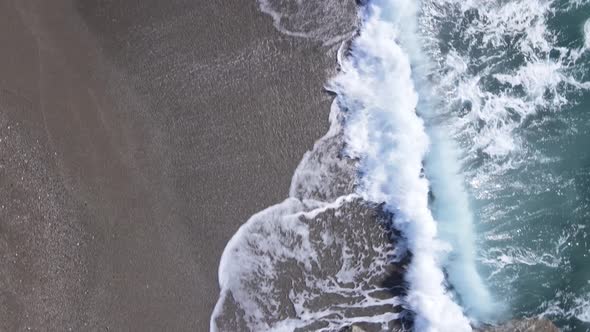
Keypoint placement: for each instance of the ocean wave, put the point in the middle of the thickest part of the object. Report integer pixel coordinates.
(436, 104)
(377, 89)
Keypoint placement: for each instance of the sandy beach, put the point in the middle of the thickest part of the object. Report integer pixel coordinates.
(136, 137)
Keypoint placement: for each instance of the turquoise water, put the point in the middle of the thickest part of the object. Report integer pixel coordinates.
(514, 76)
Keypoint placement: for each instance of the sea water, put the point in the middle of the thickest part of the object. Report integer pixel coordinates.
(469, 122)
(513, 80)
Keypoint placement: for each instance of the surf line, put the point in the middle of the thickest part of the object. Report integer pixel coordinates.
(380, 95)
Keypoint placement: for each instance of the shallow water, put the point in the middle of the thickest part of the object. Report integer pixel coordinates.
(468, 121)
(514, 78)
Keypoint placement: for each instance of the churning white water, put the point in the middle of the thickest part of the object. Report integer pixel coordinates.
(431, 100)
(382, 98)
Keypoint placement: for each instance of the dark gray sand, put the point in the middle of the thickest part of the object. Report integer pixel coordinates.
(136, 137)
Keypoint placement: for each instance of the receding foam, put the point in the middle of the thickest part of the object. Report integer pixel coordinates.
(383, 130)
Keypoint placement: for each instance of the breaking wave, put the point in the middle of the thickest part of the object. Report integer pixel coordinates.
(380, 94)
(432, 189)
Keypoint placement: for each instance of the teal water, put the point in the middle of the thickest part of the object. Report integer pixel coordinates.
(512, 76)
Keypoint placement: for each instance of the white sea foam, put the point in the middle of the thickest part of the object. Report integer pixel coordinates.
(496, 72)
(578, 306)
(581, 309)
(377, 89)
(501, 73)
(520, 77)
(450, 205)
(587, 33)
(299, 264)
(456, 226)
(312, 261)
(329, 23)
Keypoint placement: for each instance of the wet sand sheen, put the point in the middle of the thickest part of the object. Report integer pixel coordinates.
(136, 138)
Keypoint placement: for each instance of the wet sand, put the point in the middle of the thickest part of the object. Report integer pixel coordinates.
(136, 137)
